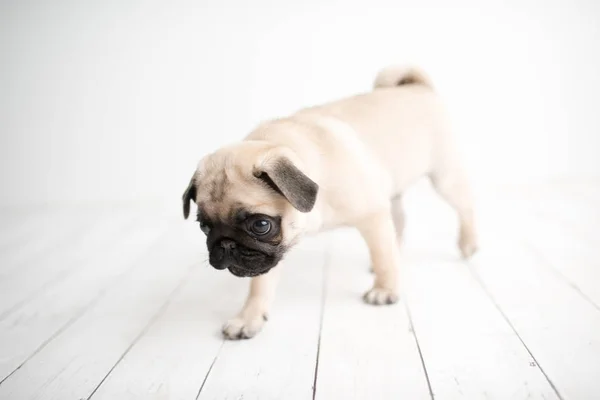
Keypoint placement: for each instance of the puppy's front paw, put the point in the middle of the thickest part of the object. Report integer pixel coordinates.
(379, 296)
(467, 245)
(243, 328)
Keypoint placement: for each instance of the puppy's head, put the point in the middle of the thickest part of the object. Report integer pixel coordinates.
(252, 200)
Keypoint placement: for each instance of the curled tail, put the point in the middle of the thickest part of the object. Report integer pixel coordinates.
(398, 75)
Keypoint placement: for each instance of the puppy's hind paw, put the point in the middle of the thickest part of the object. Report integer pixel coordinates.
(468, 247)
(240, 328)
(380, 296)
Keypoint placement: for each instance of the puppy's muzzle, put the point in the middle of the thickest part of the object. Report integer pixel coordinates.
(241, 255)
(221, 255)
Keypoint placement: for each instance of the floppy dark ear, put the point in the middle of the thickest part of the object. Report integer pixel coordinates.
(188, 195)
(286, 179)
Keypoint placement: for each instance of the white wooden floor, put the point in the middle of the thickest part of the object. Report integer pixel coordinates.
(120, 303)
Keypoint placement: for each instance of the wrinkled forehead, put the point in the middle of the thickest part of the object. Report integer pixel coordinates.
(224, 194)
(215, 175)
(213, 186)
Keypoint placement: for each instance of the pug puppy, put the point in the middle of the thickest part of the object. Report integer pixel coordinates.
(341, 164)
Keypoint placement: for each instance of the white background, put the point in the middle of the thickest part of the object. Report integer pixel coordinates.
(117, 100)
(114, 101)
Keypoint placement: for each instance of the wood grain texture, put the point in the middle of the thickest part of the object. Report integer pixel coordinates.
(559, 327)
(470, 351)
(37, 236)
(77, 361)
(37, 274)
(119, 303)
(367, 352)
(26, 330)
(561, 227)
(177, 351)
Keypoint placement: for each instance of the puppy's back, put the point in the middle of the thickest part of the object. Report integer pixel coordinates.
(402, 121)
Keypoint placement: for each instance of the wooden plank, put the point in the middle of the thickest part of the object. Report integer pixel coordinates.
(23, 283)
(171, 360)
(562, 234)
(573, 212)
(574, 260)
(469, 349)
(366, 352)
(558, 326)
(76, 362)
(27, 329)
(279, 363)
(38, 236)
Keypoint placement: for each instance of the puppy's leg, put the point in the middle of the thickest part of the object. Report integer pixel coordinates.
(399, 218)
(380, 235)
(452, 185)
(254, 314)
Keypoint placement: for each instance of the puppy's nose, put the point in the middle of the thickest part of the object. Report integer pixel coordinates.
(217, 258)
(220, 255)
(227, 244)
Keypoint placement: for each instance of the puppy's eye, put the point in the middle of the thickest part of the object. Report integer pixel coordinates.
(205, 228)
(260, 227)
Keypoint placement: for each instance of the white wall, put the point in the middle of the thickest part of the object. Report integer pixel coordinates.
(117, 100)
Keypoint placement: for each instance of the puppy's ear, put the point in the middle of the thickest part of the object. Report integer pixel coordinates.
(286, 179)
(189, 195)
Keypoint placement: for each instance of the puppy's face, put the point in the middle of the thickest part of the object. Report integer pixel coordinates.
(252, 201)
